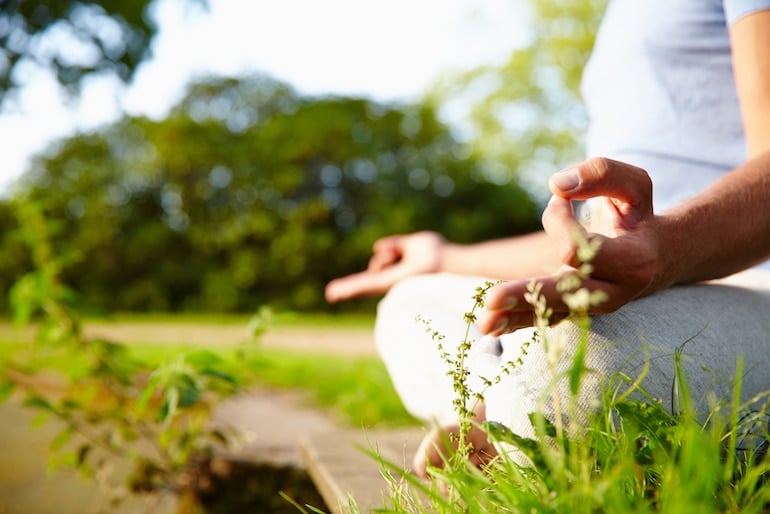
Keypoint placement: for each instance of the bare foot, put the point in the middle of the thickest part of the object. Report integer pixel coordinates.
(441, 442)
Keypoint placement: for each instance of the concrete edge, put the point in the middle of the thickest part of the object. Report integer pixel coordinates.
(348, 478)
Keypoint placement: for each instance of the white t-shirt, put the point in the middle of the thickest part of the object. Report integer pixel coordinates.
(660, 92)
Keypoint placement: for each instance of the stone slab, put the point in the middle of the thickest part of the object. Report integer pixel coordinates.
(342, 465)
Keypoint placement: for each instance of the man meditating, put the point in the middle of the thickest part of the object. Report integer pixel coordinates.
(677, 191)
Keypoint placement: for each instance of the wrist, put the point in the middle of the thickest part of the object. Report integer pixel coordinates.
(450, 258)
(671, 262)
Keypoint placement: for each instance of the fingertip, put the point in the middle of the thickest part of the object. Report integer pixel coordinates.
(496, 325)
(502, 297)
(341, 289)
(565, 181)
(330, 293)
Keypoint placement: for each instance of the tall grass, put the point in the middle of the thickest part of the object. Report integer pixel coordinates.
(630, 455)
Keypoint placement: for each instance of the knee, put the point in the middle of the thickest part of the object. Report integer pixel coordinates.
(402, 302)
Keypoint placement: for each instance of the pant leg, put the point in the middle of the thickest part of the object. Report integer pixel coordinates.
(713, 325)
(411, 355)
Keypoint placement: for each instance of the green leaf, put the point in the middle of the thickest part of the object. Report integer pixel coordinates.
(220, 375)
(39, 419)
(149, 389)
(538, 420)
(218, 435)
(6, 388)
(70, 404)
(170, 403)
(188, 396)
(578, 367)
(61, 438)
(37, 402)
(203, 358)
(501, 433)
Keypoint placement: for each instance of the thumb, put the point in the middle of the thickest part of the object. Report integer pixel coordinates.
(628, 186)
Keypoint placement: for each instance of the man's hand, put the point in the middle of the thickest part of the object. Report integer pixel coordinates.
(628, 263)
(393, 258)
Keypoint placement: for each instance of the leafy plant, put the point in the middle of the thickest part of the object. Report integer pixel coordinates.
(111, 404)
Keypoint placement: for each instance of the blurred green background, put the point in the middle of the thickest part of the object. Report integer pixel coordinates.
(250, 194)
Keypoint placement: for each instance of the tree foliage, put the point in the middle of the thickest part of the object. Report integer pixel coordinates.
(526, 116)
(100, 36)
(250, 194)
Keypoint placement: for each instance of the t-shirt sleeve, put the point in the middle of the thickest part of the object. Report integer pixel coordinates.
(736, 9)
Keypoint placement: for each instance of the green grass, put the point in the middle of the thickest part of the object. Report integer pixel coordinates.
(356, 391)
(278, 319)
(633, 456)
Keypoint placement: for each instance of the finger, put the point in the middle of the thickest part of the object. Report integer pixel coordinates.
(388, 243)
(385, 251)
(364, 283)
(611, 261)
(506, 308)
(482, 457)
(563, 229)
(433, 450)
(381, 259)
(630, 187)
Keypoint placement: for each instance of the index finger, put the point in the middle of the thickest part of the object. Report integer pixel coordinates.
(363, 283)
(563, 229)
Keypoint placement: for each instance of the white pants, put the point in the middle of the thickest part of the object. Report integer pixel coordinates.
(712, 324)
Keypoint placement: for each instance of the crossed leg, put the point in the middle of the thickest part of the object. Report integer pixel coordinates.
(712, 325)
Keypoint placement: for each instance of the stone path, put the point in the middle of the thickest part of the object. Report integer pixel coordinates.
(271, 424)
(278, 429)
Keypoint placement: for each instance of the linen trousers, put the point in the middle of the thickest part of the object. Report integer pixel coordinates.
(711, 325)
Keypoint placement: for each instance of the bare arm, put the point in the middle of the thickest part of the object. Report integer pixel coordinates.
(397, 257)
(514, 257)
(724, 230)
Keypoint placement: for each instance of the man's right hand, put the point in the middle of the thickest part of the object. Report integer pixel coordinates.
(394, 258)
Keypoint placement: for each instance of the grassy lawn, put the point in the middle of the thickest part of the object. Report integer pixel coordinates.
(354, 390)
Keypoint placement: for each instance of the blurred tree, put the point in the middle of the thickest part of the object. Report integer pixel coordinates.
(250, 194)
(74, 38)
(14, 261)
(526, 116)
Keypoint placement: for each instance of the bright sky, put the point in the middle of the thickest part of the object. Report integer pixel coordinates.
(387, 50)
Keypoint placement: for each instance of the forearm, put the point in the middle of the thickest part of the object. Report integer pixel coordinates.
(721, 231)
(515, 257)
